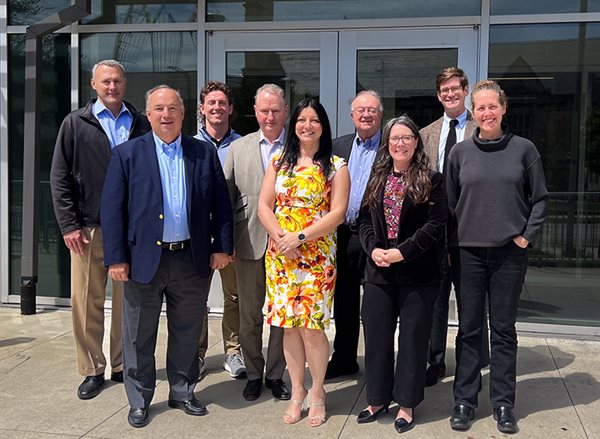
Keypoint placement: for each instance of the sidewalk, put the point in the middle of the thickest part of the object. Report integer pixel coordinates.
(558, 394)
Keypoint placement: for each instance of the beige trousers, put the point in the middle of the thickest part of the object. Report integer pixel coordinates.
(88, 291)
(230, 324)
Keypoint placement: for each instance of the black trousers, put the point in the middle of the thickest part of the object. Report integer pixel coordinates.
(382, 306)
(439, 326)
(499, 271)
(186, 294)
(346, 303)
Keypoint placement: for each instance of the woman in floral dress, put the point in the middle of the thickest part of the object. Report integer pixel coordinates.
(303, 199)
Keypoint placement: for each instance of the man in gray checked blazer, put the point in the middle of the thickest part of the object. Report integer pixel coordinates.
(244, 170)
(457, 124)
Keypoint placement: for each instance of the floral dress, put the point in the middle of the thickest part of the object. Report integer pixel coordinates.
(300, 291)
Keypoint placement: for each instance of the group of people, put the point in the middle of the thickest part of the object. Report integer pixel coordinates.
(290, 217)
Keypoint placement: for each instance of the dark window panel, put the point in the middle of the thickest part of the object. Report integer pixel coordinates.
(138, 12)
(24, 12)
(514, 7)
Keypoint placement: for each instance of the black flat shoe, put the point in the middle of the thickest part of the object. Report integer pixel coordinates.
(91, 387)
(138, 418)
(434, 374)
(366, 416)
(252, 389)
(462, 417)
(279, 389)
(506, 420)
(192, 407)
(401, 425)
(117, 377)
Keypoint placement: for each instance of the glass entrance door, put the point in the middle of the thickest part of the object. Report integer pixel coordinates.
(302, 63)
(401, 65)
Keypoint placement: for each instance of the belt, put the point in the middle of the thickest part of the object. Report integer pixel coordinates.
(173, 246)
(353, 227)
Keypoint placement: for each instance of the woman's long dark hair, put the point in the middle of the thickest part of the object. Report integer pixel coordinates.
(417, 177)
(291, 149)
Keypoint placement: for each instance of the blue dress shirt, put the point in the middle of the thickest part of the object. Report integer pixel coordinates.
(360, 163)
(116, 128)
(172, 177)
(269, 150)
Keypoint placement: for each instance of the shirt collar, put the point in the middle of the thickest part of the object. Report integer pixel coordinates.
(280, 139)
(212, 139)
(99, 107)
(166, 148)
(462, 119)
(374, 140)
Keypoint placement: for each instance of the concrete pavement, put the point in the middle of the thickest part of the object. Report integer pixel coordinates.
(558, 393)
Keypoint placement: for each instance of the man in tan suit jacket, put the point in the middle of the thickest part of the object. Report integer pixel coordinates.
(452, 88)
(244, 171)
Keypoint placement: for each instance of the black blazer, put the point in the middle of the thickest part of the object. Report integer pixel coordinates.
(419, 238)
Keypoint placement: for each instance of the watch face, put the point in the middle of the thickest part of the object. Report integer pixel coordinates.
(301, 236)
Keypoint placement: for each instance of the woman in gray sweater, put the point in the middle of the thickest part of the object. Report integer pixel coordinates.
(497, 199)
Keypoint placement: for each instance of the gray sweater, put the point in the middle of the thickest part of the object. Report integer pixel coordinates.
(496, 191)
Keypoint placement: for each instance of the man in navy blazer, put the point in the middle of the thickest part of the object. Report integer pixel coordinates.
(168, 222)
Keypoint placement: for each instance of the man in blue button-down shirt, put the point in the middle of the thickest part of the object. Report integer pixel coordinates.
(81, 157)
(168, 223)
(359, 150)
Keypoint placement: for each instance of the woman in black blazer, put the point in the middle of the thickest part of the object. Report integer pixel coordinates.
(401, 224)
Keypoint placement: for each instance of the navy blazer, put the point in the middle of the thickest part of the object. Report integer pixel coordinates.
(420, 238)
(131, 209)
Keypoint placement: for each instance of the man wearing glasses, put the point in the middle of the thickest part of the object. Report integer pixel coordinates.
(457, 124)
(359, 150)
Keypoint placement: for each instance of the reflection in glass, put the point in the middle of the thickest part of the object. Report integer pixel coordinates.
(286, 10)
(53, 256)
(555, 102)
(513, 7)
(25, 12)
(405, 79)
(150, 59)
(136, 12)
(296, 72)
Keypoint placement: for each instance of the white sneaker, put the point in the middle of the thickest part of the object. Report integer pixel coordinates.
(202, 365)
(234, 364)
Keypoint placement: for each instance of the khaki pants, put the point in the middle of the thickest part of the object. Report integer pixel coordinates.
(88, 291)
(230, 324)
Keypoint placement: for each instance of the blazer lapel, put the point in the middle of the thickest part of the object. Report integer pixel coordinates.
(189, 163)
(152, 163)
(255, 155)
(407, 204)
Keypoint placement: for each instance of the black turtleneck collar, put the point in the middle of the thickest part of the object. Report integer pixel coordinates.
(495, 144)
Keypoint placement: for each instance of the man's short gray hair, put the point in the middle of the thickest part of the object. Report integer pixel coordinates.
(271, 88)
(108, 63)
(370, 93)
(160, 87)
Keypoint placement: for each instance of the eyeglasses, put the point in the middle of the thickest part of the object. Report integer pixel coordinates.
(362, 110)
(446, 90)
(394, 141)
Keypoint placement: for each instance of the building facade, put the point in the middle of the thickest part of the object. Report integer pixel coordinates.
(544, 53)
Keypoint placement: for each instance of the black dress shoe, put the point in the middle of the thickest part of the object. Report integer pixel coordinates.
(138, 418)
(366, 416)
(117, 377)
(91, 387)
(252, 389)
(433, 374)
(192, 407)
(462, 417)
(279, 389)
(506, 420)
(401, 425)
(338, 368)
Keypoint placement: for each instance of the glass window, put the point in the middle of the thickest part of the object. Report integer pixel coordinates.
(135, 12)
(296, 72)
(24, 12)
(555, 102)
(150, 59)
(301, 10)
(405, 79)
(513, 7)
(54, 262)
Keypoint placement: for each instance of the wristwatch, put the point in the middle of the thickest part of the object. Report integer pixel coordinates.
(301, 237)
